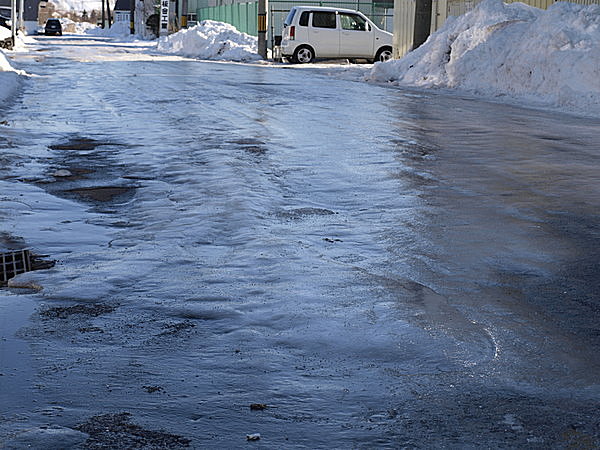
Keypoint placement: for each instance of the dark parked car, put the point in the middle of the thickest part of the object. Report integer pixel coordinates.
(53, 26)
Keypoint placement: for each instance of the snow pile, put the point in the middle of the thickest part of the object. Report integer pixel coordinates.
(4, 33)
(8, 77)
(211, 40)
(20, 40)
(70, 26)
(545, 57)
(117, 29)
(83, 27)
(4, 64)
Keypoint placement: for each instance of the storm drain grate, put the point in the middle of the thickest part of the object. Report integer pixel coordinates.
(14, 263)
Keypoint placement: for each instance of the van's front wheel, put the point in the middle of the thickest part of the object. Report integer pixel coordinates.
(303, 55)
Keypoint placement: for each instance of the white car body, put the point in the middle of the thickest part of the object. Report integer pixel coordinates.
(323, 32)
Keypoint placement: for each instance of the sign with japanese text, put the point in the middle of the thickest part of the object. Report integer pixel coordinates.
(164, 17)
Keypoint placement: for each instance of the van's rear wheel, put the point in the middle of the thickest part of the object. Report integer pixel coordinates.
(304, 55)
(383, 54)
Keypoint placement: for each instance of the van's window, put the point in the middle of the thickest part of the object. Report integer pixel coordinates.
(353, 22)
(303, 22)
(290, 17)
(323, 19)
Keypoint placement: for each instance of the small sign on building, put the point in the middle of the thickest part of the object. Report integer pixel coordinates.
(164, 18)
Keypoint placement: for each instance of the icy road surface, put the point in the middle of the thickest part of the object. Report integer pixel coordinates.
(373, 267)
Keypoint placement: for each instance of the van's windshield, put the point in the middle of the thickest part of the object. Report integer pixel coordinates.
(290, 17)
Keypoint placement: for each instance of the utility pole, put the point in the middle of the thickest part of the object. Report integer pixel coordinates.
(263, 5)
(184, 13)
(21, 9)
(131, 16)
(422, 22)
(108, 13)
(13, 21)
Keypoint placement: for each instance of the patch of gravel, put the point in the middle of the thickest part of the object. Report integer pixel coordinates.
(64, 312)
(111, 431)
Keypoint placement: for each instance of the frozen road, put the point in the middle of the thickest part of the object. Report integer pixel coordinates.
(381, 268)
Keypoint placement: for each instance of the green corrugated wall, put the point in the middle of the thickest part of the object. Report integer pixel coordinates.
(240, 15)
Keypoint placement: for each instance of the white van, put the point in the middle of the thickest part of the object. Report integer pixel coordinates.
(311, 32)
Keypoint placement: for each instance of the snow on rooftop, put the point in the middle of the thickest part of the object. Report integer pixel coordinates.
(211, 40)
(540, 57)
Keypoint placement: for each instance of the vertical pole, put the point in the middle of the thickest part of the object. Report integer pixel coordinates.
(262, 28)
(103, 14)
(21, 9)
(108, 13)
(176, 16)
(184, 13)
(131, 16)
(422, 22)
(13, 20)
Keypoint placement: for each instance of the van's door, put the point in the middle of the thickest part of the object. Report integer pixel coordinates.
(356, 39)
(324, 34)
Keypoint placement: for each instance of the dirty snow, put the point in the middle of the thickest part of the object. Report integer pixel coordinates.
(541, 57)
(211, 40)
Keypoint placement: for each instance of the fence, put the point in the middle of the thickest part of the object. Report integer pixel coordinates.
(240, 15)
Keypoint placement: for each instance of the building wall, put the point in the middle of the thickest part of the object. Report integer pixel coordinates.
(404, 17)
(30, 12)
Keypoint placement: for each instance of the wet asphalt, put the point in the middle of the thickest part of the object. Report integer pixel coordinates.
(376, 267)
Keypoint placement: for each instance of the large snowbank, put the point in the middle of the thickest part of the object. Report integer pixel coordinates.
(544, 57)
(211, 40)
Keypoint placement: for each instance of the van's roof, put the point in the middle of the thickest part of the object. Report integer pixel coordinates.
(325, 8)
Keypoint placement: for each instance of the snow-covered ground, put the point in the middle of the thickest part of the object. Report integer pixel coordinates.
(211, 40)
(513, 52)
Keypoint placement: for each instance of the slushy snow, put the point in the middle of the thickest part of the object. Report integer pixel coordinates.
(540, 57)
(211, 40)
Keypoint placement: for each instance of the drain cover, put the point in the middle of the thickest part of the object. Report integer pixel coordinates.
(14, 263)
(21, 261)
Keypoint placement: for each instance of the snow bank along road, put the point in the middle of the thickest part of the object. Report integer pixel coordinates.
(372, 267)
